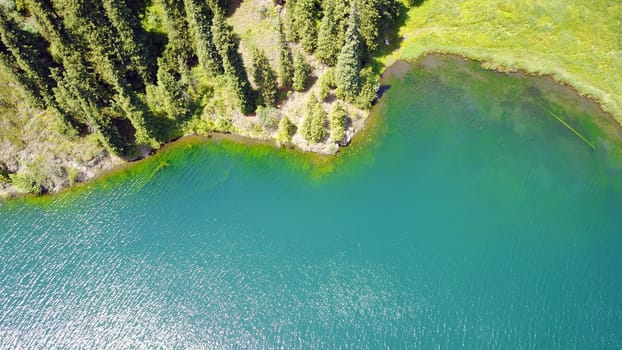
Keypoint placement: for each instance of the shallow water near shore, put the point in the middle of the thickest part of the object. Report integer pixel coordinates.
(470, 217)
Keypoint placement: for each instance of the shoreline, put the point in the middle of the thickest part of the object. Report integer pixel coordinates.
(397, 68)
(495, 64)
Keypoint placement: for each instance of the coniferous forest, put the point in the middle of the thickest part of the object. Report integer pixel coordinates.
(137, 73)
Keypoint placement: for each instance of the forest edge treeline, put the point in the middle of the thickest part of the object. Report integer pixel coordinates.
(137, 73)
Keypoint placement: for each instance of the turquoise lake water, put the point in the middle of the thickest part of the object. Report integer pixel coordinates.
(474, 219)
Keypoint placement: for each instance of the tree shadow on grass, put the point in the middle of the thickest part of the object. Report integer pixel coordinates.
(392, 41)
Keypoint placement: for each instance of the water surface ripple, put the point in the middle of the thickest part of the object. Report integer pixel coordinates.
(472, 220)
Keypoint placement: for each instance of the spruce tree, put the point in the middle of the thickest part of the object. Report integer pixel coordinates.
(286, 67)
(265, 78)
(337, 120)
(18, 76)
(126, 24)
(90, 26)
(77, 91)
(301, 72)
(307, 14)
(347, 73)
(329, 43)
(313, 127)
(227, 46)
(26, 52)
(290, 21)
(173, 101)
(200, 19)
(177, 28)
(377, 16)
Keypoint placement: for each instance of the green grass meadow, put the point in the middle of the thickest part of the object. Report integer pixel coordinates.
(578, 42)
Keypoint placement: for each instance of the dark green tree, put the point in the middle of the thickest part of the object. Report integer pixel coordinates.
(348, 70)
(302, 69)
(174, 101)
(227, 45)
(177, 28)
(377, 16)
(87, 21)
(286, 64)
(77, 91)
(18, 76)
(330, 38)
(127, 25)
(307, 14)
(200, 19)
(29, 65)
(265, 79)
(290, 26)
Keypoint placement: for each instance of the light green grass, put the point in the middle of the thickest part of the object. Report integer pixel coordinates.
(578, 42)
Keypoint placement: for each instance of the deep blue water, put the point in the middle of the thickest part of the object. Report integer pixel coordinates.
(471, 219)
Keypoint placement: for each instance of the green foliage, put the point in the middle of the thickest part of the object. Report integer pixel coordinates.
(287, 130)
(290, 20)
(26, 183)
(200, 20)
(313, 127)
(265, 79)
(327, 83)
(544, 38)
(307, 14)
(302, 69)
(348, 68)
(227, 46)
(330, 37)
(369, 89)
(4, 174)
(268, 117)
(127, 26)
(286, 64)
(377, 16)
(25, 56)
(172, 97)
(337, 120)
(176, 28)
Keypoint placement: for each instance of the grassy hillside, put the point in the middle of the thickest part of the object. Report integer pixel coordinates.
(579, 42)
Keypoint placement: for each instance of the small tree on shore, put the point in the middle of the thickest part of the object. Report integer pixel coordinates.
(337, 120)
(313, 127)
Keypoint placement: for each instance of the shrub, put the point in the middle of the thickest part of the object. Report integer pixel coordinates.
(268, 117)
(287, 129)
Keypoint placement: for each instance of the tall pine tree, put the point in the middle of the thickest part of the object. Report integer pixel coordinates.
(286, 64)
(28, 54)
(265, 78)
(87, 21)
(329, 37)
(307, 13)
(200, 19)
(227, 45)
(348, 70)
(301, 72)
(127, 25)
